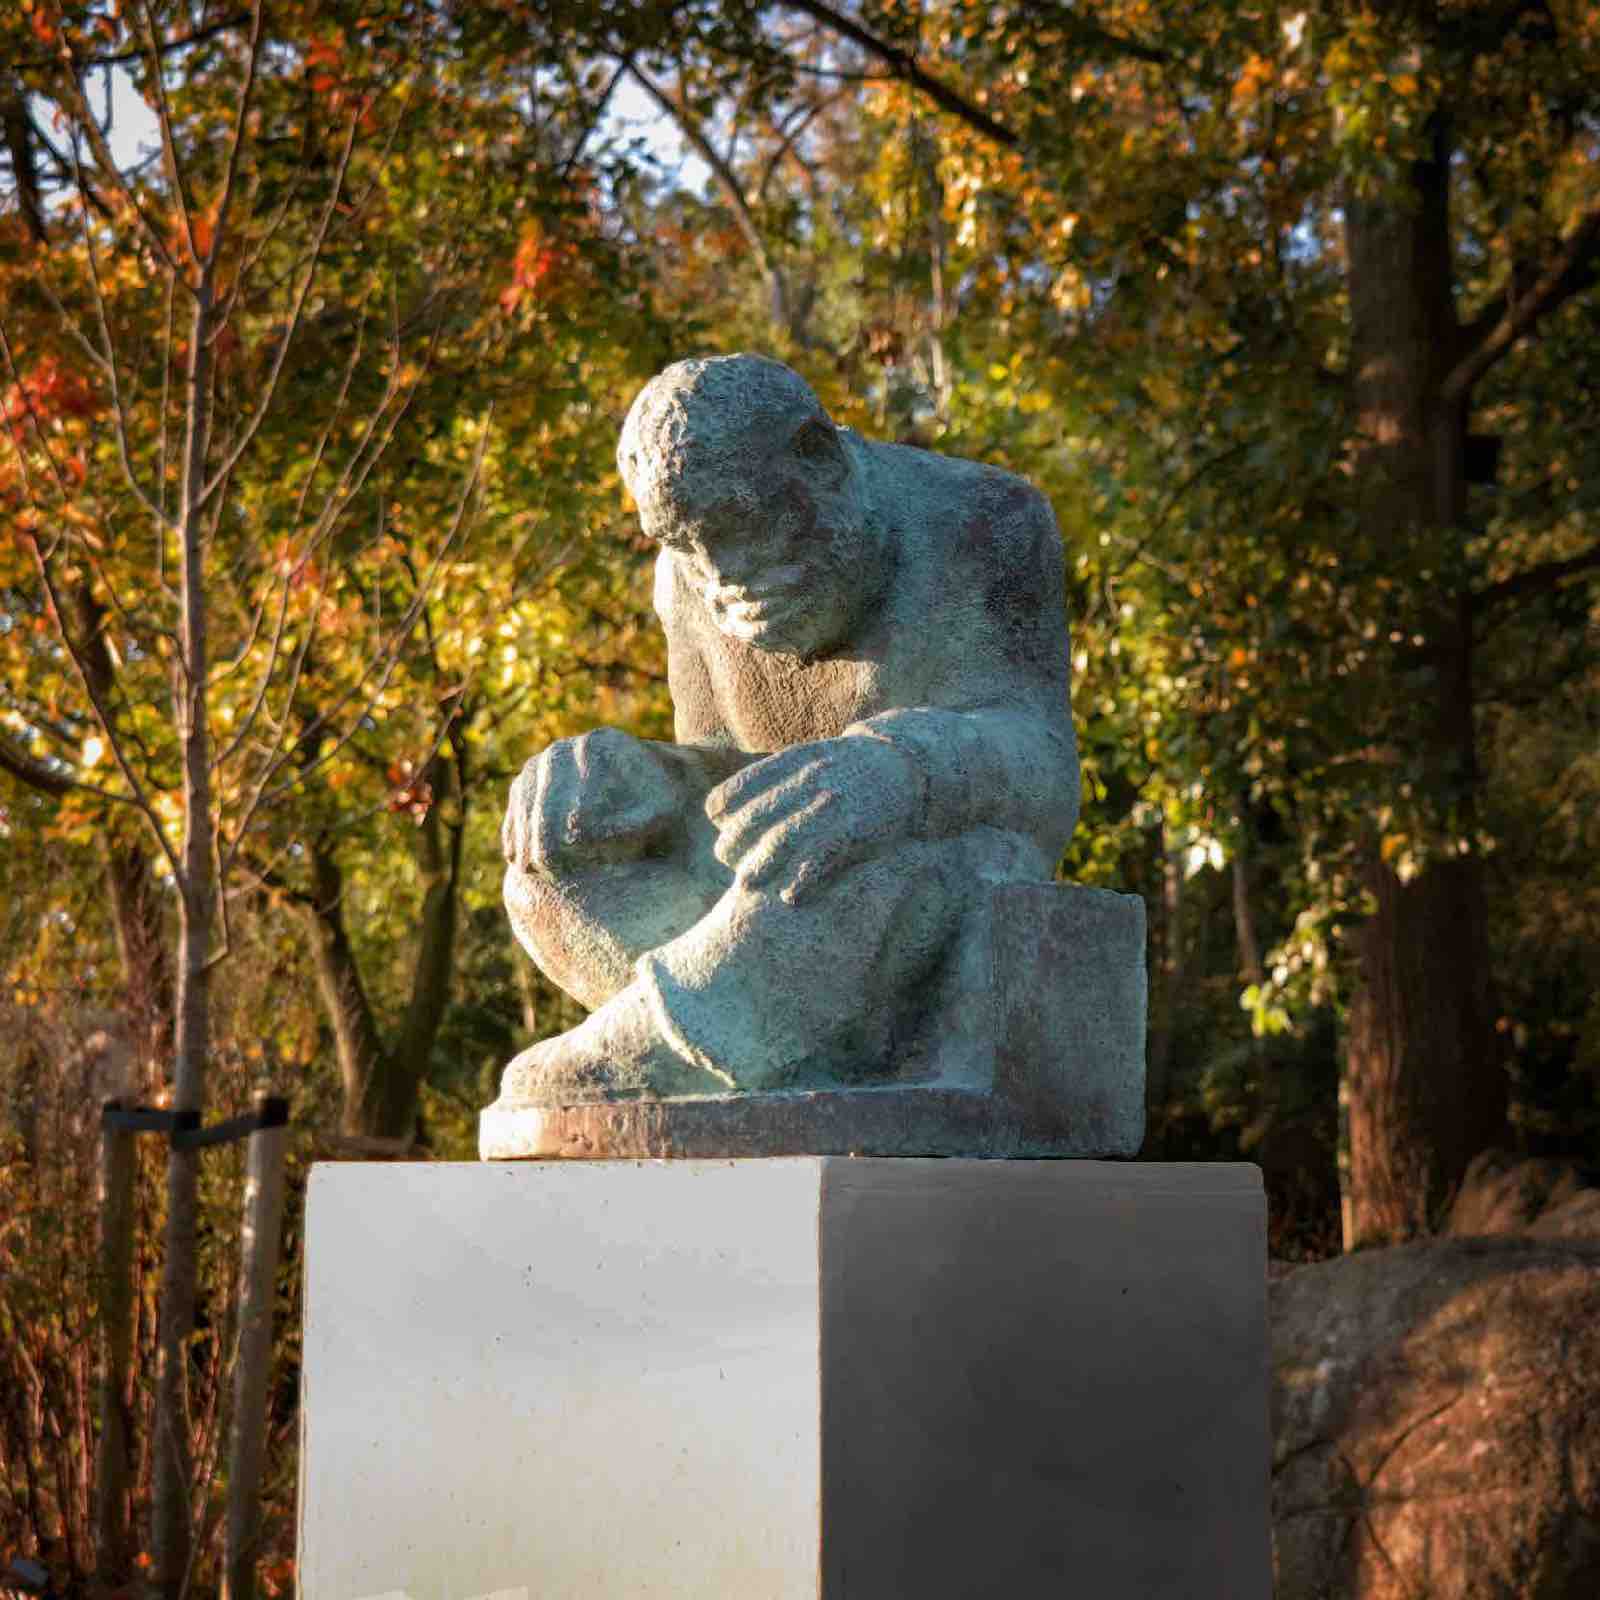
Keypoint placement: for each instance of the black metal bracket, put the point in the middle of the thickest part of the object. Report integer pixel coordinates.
(183, 1127)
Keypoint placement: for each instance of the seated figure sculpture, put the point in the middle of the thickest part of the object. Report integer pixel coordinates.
(794, 905)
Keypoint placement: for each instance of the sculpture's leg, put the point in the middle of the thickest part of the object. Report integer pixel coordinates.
(761, 994)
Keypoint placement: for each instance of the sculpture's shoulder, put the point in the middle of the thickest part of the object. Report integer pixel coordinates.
(981, 555)
(966, 512)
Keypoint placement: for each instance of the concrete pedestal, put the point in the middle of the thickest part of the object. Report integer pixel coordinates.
(874, 1379)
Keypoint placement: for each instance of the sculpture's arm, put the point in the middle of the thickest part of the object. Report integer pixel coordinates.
(1000, 765)
(791, 821)
(609, 853)
(988, 727)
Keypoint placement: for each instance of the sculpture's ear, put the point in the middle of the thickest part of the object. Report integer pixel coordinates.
(817, 440)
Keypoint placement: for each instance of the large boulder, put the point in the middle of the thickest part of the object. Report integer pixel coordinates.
(1436, 1422)
(1541, 1195)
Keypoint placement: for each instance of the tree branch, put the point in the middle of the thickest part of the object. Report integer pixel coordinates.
(291, 327)
(236, 142)
(84, 122)
(169, 145)
(357, 1041)
(1536, 580)
(904, 66)
(725, 175)
(19, 133)
(1516, 313)
(791, 136)
(592, 121)
(35, 774)
(133, 53)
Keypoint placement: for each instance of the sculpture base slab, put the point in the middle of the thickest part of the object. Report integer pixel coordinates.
(896, 1121)
(814, 1377)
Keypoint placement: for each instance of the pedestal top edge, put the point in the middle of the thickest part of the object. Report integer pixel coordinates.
(1188, 1177)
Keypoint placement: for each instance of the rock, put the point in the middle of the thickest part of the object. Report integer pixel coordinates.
(1436, 1422)
(1503, 1193)
(1577, 1218)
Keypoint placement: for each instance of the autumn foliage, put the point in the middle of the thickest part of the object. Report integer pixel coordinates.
(1292, 310)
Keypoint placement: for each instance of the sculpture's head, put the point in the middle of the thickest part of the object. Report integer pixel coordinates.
(737, 469)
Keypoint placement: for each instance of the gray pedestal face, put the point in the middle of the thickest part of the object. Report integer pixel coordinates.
(847, 1378)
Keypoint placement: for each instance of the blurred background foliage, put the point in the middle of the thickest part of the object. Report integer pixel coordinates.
(1141, 252)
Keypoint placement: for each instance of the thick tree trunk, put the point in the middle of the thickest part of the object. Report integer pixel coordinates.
(1424, 1086)
(1425, 1092)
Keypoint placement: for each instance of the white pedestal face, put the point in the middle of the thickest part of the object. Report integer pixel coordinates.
(569, 1379)
(755, 1380)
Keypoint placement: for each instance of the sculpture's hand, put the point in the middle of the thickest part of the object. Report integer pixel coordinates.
(797, 818)
(604, 796)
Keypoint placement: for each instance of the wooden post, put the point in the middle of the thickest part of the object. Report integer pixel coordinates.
(258, 1272)
(113, 1465)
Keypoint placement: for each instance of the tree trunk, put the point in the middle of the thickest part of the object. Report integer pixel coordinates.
(147, 982)
(198, 889)
(381, 1081)
(258, 1275)
(141, 948)
(114, 1453)
(363, 1063)
(1167, 929)
(1424, 1086)
(1425, 1090)
(439, 839)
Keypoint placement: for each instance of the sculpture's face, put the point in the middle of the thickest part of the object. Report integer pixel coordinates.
(781, 552)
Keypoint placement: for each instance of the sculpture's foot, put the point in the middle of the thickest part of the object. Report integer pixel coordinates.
(614, 1054)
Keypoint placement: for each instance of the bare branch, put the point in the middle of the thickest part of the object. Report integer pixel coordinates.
(1518, 312)
(136, 796)
(290, 573)
(729, 180)
(291, 328)
(169, 146)
(791, 137)
(167, 347)
(383, 665)
(108, 365)
(236, 139)
(37, 776)
(70, 324)
(84, 119)
(1536, 580)
(904, 66)
(25, 769)
(597, 111)
(167, 48)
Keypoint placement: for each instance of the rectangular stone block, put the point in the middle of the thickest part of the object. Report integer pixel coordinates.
(813, 1376)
